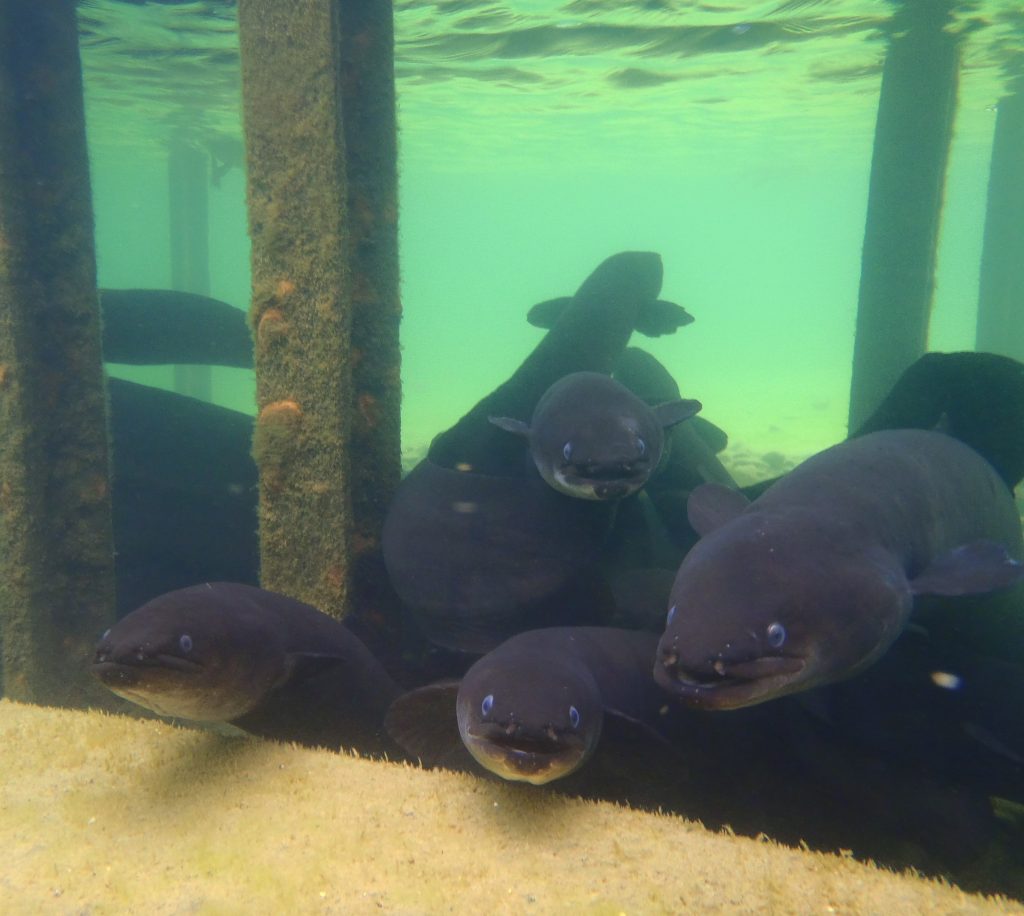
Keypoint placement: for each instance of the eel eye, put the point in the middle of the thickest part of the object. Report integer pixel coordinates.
(574, 717)
(776, 633)
(567, 451)
(641, 446)
(185, 643)
(487, 705)
(671, 616)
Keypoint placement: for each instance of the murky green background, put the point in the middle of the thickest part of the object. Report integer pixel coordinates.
(537, 138)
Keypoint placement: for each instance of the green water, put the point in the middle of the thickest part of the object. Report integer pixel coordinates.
(537, 138)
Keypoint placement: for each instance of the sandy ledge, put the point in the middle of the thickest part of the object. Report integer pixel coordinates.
(107, 814)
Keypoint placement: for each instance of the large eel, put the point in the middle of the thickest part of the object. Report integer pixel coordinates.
(812, 581)
(475, 543)
(266, 663)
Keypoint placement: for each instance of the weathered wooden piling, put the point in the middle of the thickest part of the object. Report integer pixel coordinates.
(371, 164)
(1001, 289)
(188, 170)
(318, 92)
(56, 544)
(908, 174)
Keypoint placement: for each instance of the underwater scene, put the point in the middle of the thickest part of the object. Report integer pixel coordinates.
(706, 499)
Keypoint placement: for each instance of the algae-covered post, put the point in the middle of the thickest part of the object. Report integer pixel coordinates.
(908, 173)
(1001, 290)
(371, 162)
(320, 137)
(188, 197)
(56, 542)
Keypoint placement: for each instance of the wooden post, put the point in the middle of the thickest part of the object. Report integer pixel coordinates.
(325, 306)
(56, 542)
(371, 166)
(1001, 290)
(908, 174)
(187, 185)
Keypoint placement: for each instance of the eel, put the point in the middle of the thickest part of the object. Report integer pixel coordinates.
(656, 317)
(268, 664)
(477, 558)
(166, 326)
(533, 709)
(183, 493)
(589, 336)
(977, 398)
(813, 580)
(824, 765)
(476, 545)
(592, 438)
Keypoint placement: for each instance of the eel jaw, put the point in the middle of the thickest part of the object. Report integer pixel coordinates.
(733, 684)
(615, 483)
(536, 760)
(165, 684)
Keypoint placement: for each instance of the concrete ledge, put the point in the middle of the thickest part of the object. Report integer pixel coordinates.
(106, 814)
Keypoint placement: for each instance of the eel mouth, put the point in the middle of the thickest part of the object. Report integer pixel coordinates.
(609, 482)
(534, 759)
(730, 685)
(174, 687)
(128, 671)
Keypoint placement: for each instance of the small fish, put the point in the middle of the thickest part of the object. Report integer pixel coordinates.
(224, 652)
(533, 710)
(592, 438)
(812, 581)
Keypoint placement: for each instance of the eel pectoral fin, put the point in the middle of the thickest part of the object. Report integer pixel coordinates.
(424, 724)
(711, 505)
(970, 569)
(511, 425)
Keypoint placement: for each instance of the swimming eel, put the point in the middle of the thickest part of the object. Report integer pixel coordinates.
(813, 580)
(592, 438)
(183, 493)
(533, 709)
(589, 335)
(826, 770)
(476, 545)
(977, 398)
(271, 665)
(166, 326)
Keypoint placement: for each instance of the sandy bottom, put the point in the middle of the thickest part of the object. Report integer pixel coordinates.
(107, 814)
